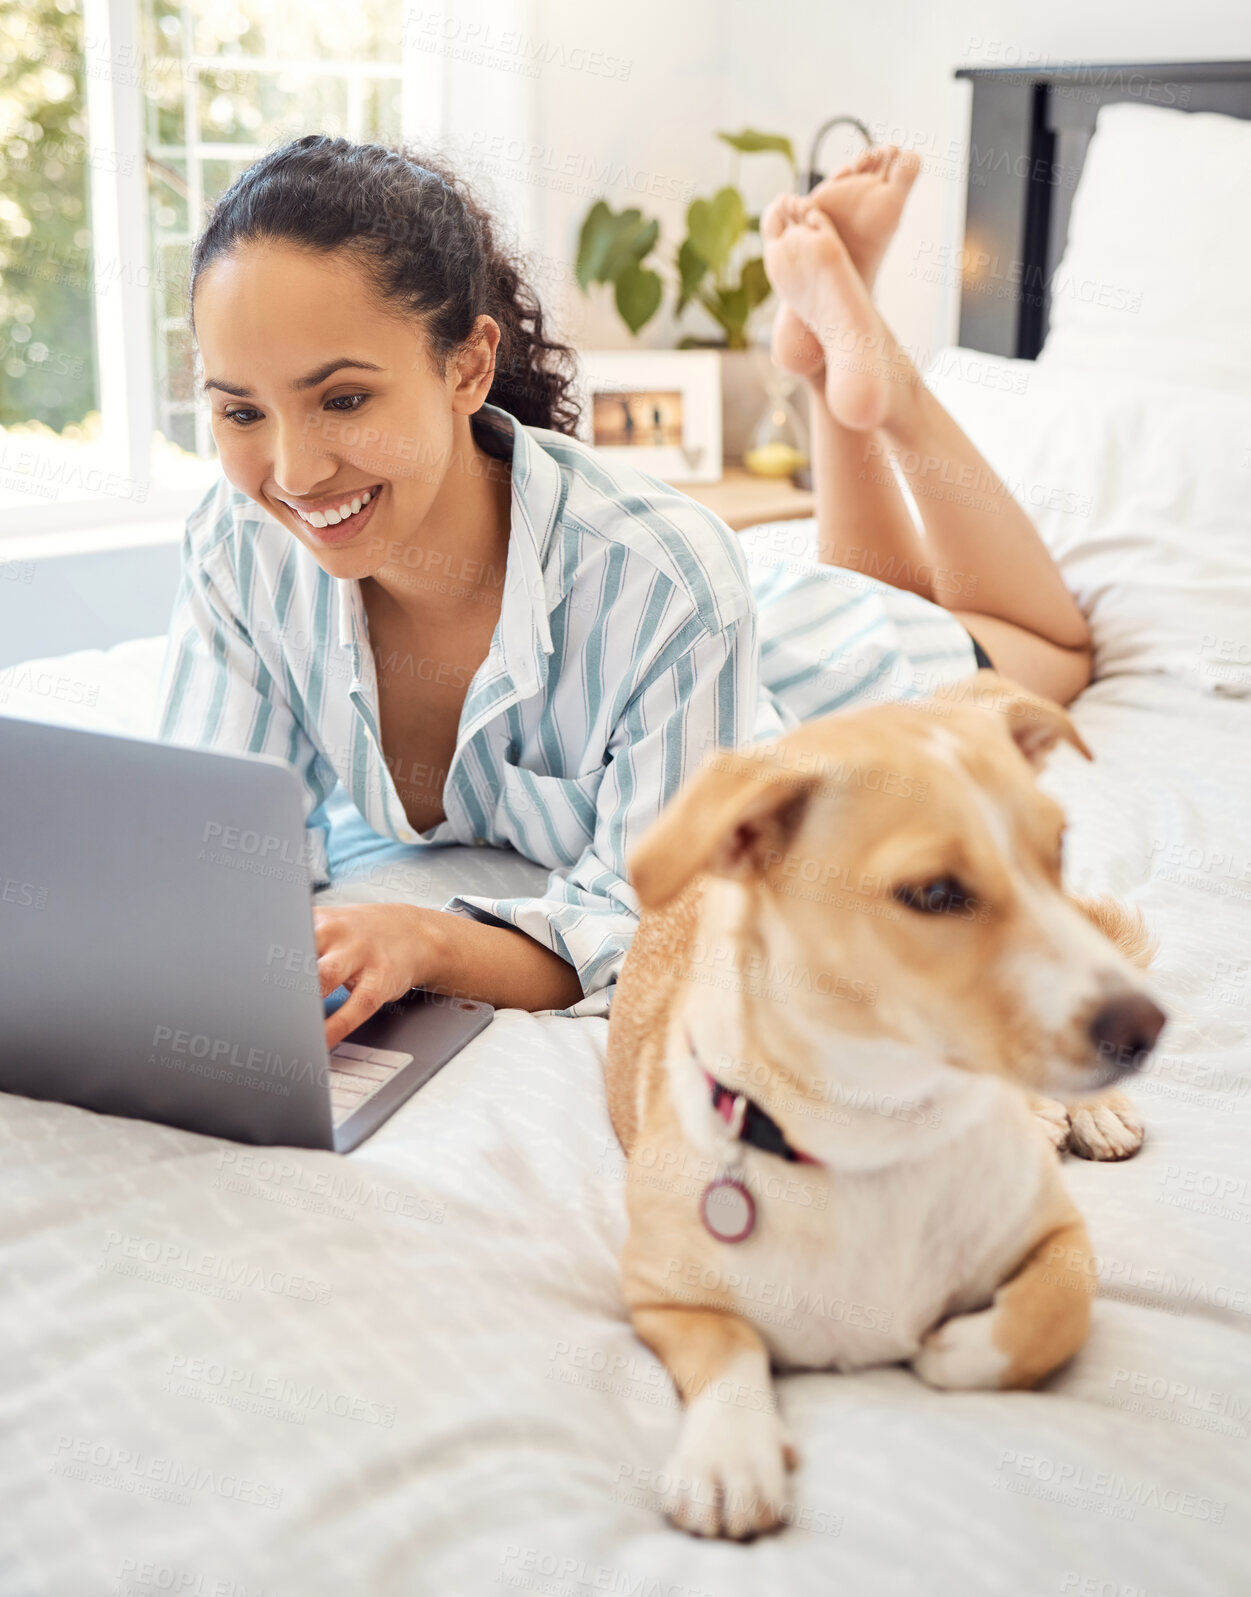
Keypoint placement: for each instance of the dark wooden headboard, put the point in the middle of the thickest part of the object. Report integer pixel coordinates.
(1028, 138)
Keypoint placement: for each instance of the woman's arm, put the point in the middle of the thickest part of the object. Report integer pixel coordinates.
(564, 947)
(498, 964)
(697, 692)
(382, 950)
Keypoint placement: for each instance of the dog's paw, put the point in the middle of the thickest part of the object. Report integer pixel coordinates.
(727, 1475)
(961, 1354)
(1108, 1127)
(1053, 1118)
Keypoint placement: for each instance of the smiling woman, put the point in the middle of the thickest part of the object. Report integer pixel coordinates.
(327, 245)
(412, 582)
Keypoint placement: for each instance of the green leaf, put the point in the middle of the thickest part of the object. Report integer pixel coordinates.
(635, 239)
(735, 310)
(729, 205)
(611, 241)
(755, 283)
(692, 269)
(593, 244)
(715, 226)
(729, 308)
(752, 142)
(703, 236)
(638, 295)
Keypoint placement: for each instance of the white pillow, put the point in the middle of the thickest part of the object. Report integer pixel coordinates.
(1141, 489)
(1154, 277)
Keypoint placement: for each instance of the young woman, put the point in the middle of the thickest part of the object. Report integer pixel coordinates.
(412, 582)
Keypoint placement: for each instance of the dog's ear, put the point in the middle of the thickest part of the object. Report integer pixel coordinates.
(734, 818)
(1036, 724)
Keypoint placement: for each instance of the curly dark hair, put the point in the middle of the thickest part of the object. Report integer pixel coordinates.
(427, 244)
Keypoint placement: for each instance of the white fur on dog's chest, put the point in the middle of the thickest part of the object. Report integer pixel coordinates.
(854, 1267)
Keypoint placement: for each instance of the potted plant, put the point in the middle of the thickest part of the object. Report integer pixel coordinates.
(718, 265)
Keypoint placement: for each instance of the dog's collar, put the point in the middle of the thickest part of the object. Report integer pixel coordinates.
(748, 1121)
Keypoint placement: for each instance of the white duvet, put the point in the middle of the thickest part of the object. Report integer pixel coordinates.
(237, 1371)
(234, 1372)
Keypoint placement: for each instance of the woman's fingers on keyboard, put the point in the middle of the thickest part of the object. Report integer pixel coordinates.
(366, 999)
(332, 971)
(334, 954)
(367, 948)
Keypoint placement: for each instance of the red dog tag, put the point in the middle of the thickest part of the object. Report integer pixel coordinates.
(728, 1210)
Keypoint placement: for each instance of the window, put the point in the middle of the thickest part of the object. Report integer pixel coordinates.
(47, 362)
(120, 122)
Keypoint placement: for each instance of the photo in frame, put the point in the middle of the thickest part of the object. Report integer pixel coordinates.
(660, 410)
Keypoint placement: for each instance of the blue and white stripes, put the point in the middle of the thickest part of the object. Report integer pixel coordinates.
(629, 645)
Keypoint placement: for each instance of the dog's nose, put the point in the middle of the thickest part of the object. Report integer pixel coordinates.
(1125, 1030)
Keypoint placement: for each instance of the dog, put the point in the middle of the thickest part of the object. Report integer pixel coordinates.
(854, 974)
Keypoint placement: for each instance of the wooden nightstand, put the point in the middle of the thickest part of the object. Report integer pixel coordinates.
(741, 499)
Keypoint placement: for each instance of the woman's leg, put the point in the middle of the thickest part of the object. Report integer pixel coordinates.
(862, 519)
(980, 556)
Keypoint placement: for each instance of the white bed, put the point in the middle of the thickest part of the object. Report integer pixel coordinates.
(409, 1371)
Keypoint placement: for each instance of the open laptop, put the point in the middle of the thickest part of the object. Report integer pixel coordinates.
(157, 952)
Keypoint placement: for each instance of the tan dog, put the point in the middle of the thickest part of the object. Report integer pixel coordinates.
(854, 965)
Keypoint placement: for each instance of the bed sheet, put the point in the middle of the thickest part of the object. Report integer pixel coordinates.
(277, 1373)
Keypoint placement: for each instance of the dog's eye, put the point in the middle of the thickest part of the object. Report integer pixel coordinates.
(944, 896)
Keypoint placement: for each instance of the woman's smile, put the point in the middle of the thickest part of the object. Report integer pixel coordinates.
(337, 520)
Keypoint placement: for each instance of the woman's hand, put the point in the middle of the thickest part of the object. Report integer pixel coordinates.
(378, 951)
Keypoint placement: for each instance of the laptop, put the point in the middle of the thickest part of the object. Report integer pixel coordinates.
(157, 952)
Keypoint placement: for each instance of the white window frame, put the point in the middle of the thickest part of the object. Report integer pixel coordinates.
(119, 229)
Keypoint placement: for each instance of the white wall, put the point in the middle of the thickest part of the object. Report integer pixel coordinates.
(695, 66)
(622, 106)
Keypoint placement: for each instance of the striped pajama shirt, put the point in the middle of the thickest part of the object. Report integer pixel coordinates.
(636, 633)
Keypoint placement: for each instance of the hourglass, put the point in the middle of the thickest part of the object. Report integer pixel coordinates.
(779, 443)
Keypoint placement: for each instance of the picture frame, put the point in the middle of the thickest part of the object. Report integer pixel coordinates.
(657, 409)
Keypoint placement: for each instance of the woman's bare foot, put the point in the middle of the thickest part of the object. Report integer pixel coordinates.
(868, 378)
(864, 200)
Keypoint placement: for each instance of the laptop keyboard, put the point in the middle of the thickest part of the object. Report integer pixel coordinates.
(357, 1073)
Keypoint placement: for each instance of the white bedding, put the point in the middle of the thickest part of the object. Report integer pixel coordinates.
(282, 1374)
(1139, 485)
